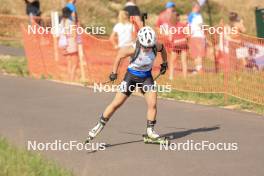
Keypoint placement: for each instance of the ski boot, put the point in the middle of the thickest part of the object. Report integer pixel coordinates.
(96, 130)
(152, 137)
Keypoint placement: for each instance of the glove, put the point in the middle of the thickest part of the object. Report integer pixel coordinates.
(163, 68)
(113, 76)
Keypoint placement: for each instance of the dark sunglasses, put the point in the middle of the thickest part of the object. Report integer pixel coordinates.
(145, 47)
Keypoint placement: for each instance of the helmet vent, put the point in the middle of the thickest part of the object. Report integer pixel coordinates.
(150, 34)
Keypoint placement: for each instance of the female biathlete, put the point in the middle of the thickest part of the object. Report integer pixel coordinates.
(138, 75)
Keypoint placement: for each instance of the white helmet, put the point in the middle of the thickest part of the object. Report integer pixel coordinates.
(147, 36)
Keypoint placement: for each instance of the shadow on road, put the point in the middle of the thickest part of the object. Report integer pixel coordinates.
(123, 143)
(170, 136)
(180, 134)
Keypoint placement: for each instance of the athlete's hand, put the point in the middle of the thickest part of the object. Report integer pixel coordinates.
(113, 76)
(163, 68)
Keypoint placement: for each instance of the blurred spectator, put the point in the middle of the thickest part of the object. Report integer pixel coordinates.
(232, 41)
(33, 10)
(222, 50)
(68, 42)
(122, 31)
(178, 45)
(236, 22)
(131, 8)
(72, 7)
(133, 13)
(165, 16)
(163, 22)
(197, 42)
(73, 17)
(33, 7)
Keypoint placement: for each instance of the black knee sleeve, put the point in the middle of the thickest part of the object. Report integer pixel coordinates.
(151, 123)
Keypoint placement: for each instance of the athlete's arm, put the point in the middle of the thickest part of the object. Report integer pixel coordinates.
(122, 53)
(113, 39)
(161, 48)
(75, 17)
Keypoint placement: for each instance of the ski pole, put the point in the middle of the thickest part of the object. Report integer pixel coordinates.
(144, 16)
(157, 76)
(107, 82)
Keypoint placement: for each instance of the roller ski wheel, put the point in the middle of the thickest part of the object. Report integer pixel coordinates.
(88, 140)
(160, 140)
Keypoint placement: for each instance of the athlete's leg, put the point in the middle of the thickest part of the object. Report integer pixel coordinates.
(119, 99)
(151, 100)
(151, 136)
(121, 96)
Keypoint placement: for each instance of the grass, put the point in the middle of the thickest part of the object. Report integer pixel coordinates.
(14, 65)
(14, 162)
(214, 99)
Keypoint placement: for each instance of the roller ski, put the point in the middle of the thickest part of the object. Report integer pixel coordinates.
(160, 140)
(96, 130)
(151, 137)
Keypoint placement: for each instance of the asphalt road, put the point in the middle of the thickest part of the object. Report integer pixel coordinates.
(7, 50)
(46, 111)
